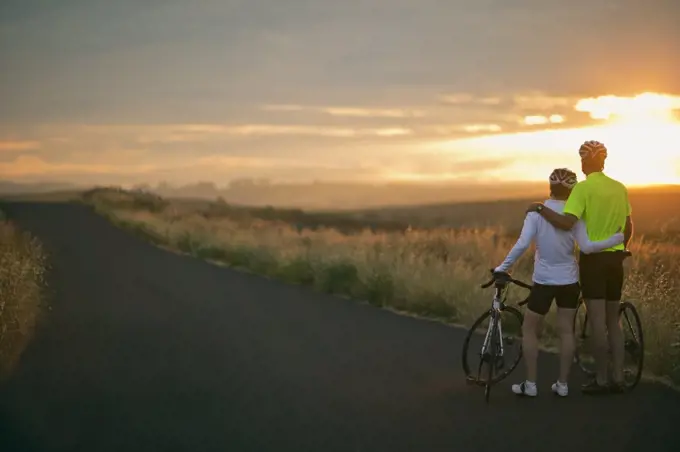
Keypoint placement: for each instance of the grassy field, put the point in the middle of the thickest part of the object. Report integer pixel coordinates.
(656, 213)
(22, 267)
(428, 272)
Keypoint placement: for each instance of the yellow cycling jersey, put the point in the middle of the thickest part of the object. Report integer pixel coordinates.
(602, 203)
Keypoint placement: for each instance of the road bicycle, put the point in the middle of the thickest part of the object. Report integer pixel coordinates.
(493, 349)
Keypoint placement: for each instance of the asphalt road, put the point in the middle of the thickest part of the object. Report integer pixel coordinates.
(145, 350)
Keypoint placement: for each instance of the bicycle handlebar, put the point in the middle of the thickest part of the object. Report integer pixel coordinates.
(506, 278)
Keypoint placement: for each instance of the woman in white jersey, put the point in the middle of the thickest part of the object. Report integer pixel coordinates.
(555, 277)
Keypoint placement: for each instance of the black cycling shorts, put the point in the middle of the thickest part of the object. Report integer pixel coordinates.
(601, 275)
(542, 296)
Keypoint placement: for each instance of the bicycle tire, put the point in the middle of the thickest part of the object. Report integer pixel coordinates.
(466, 344)
(581, 336)
(639, 349)
(492, 362)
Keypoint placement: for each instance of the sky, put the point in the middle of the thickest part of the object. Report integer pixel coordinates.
(128, 91)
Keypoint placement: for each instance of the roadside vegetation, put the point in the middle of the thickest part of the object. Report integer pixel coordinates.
(432, 272)
(22, 270)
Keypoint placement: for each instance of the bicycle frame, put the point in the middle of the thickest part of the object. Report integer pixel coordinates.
(496, 307)
(501, 293)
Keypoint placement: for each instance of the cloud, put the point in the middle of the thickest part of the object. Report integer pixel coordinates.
(482, 128)
(429, 165)
(237, 162)
(28, 165)
(449, 130)
(543, 102)
(253, 130)
(459, 98)
(10, 146)
(215, 62)
(543, 120)
(352, 112)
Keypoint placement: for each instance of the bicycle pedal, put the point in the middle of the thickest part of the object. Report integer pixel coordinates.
(473, 381)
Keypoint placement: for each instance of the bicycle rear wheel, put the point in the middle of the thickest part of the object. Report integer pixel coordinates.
(583, 355)
(511, 329)
(633, 343)
(633, 337)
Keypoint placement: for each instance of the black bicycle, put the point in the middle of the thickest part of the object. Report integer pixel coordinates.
(501, 335)
(634, 343)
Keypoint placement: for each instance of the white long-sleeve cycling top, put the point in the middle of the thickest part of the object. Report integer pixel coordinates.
(555, 261)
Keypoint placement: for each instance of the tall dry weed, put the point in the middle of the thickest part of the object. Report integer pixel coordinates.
(22, 269)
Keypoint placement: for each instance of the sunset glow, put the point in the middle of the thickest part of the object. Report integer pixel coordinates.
(641, 133)
(647, 108)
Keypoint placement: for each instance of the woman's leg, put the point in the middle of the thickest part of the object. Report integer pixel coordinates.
(565, 327)
(530, 327)
(539, 304)
(567, 298)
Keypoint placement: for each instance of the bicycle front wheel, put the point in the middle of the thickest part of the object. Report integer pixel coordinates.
(494, 350)
(506, 360)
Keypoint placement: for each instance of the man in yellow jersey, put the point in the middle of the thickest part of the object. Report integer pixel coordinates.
(602, 203)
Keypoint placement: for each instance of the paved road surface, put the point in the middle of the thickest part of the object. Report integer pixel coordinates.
(147, 351)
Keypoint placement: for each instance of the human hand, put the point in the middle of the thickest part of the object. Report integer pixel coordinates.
(619, 236)
(534, 207)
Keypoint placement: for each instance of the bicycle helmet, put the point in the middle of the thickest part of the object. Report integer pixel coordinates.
(564, 177)
(591, 149)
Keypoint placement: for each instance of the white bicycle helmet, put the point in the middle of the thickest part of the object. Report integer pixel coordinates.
(564, 177)
(591, 149)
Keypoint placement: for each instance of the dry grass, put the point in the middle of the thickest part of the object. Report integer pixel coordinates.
(22, 267)
(434, 273)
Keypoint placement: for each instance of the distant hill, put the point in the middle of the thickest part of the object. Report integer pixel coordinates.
(656, 210)
(328, 195)
(15, 188)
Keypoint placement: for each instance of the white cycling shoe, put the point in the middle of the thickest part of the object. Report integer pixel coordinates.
(525, 388)
(561, 389)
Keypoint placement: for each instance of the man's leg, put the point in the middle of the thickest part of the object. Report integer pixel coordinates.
(615, 341)
(613, 295)
(593, 286)
(540, 300)
(598, 327)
